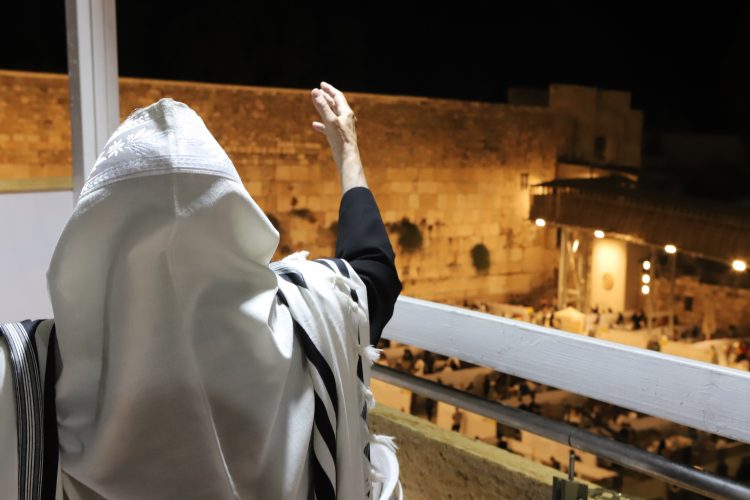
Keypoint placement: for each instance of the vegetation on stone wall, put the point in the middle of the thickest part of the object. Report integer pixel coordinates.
(274, 222)
(304, 213)
(480, 257)
(409, 235)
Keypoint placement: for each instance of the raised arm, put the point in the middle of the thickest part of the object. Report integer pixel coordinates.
(362, 239)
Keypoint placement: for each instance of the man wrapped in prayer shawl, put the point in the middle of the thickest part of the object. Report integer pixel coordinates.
(181, 363)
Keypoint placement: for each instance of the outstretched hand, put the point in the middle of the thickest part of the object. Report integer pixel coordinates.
(339, 126)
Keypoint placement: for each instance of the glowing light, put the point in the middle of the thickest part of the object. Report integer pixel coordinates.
(576, 243)
(540, 222)
(670, 249)
(645, 289)
(739, 265)
(646, 265)
(599, 234)
(646, 279)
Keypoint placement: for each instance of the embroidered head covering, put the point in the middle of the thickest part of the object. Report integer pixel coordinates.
(181, 374)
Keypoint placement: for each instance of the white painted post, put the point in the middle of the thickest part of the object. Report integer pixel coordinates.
(92, 72)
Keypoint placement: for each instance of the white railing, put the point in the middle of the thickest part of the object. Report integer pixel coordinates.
(712, 398)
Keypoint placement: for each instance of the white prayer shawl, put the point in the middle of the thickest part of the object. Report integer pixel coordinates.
(181, 375)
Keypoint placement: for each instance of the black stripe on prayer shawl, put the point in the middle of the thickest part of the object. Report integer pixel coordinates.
(324, 482)
(30, 326)
(320, 364)
(291, 275)
(360, 374)
(361, 377)
(324, 426)
(323, 263)
(294, 278)
(323, 489)
(343, 270)
(341, 266)
(51, 443)
(322, 422)
(315, 357)
(28, 391)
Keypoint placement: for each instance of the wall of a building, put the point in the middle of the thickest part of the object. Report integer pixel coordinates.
(444, 171)
(728, 306)
(598, 114)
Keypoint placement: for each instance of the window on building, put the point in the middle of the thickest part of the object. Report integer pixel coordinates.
(688, 303)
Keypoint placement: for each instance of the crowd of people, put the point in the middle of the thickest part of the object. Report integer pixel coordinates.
(675, 442)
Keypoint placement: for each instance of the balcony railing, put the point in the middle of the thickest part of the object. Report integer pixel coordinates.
(704, 396)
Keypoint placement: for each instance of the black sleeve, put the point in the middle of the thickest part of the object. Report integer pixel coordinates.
(363, 241)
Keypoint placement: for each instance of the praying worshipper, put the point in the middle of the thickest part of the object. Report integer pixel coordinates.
(487, 384)
(429, 408)
(407, 361)
(429, 361)
(457, 418)
(418, 368)
(523, 388)
(620, 319)
(454, 363)
(662, 448)
(722, 468)
(181, 362)
(742, 475)
(637, 318)
(533, 405)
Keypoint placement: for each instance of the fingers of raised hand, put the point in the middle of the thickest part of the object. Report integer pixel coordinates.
(321, 105)
(342, 106)
(331, 103)
(319, 127)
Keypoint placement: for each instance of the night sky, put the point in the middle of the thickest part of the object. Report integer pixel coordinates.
(687, 66)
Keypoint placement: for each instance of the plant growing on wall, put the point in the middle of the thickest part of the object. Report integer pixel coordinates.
(409, 235)
(274, 222)
(480, 257)
(304, 213)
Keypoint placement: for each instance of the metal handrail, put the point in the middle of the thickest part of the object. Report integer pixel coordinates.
(626, 455)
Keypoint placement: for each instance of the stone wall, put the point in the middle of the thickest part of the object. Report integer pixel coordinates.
(449, 176)
(729, 306)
